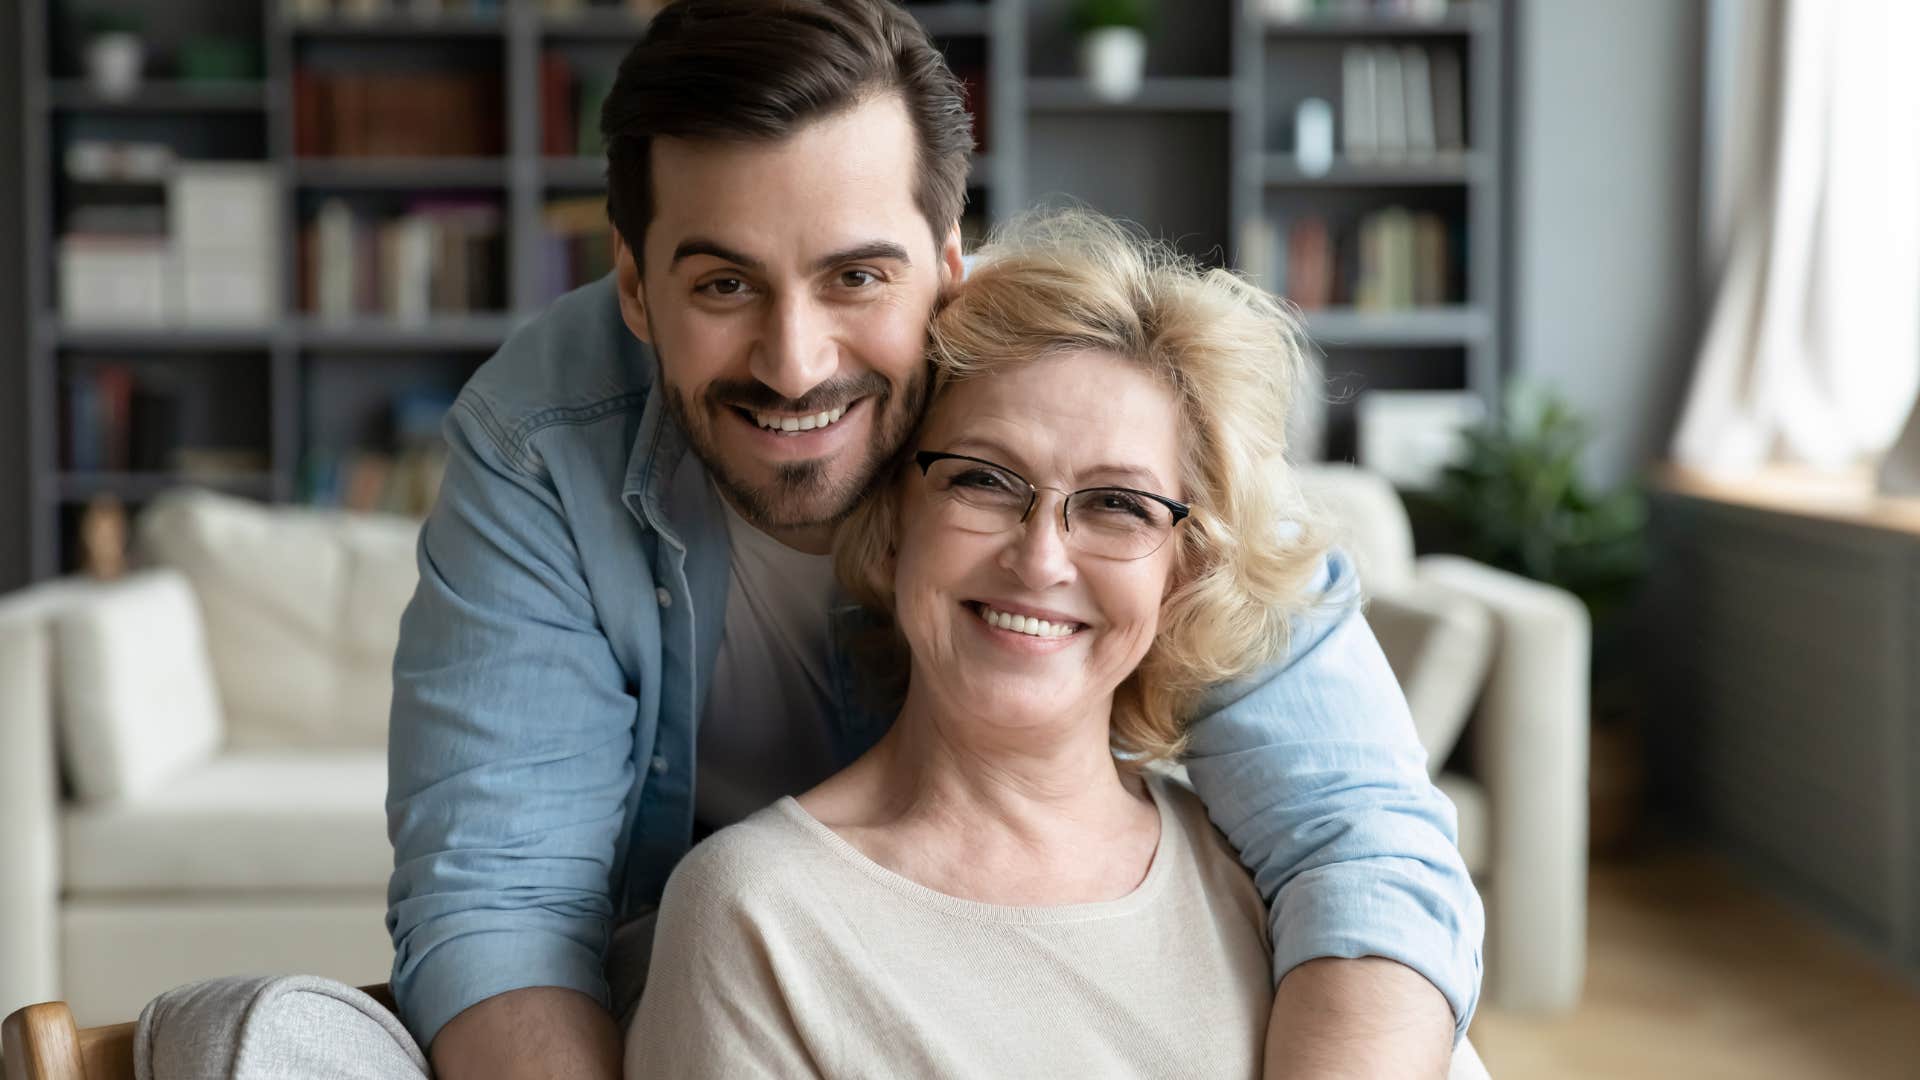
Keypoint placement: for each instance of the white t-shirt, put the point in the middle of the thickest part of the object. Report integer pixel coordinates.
(766, 728)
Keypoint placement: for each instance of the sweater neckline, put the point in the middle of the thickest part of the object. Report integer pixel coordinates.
(1164, 853)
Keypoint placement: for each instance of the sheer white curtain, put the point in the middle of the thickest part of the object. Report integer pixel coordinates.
(1812, 351)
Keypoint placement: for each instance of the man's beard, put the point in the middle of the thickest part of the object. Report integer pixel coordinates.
(803, 494)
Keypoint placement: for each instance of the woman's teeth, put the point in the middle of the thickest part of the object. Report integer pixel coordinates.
(798, 423)
(1021, 624)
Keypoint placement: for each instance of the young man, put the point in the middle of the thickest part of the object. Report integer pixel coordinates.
(621, 634)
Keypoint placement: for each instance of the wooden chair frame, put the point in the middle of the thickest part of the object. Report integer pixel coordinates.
(41, 1042)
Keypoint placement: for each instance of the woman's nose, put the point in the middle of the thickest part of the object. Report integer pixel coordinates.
(1038, 552)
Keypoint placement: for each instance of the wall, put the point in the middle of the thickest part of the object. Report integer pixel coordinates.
(1605, 189)
(13, 316)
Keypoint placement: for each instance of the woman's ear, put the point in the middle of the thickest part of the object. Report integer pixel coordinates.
(633, 304)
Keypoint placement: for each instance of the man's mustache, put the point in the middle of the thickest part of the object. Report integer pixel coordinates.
(756, 396)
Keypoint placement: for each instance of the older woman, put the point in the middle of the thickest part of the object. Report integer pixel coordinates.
(1082, 540)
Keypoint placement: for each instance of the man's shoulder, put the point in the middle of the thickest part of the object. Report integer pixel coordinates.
(573, 363)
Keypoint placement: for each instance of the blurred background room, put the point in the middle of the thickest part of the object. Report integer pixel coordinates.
(1616, 308)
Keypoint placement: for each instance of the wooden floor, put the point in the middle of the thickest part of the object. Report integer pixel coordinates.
(1693, 973)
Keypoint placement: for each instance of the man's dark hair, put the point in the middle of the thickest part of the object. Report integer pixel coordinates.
(763, 69)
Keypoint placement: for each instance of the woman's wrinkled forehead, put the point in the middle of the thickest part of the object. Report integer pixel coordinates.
(1073, 416)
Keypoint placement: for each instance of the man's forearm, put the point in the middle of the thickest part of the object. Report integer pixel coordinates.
(540, 1033)
(1351, 1019)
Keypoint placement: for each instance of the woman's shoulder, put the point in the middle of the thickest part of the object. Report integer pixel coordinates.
(739, 864)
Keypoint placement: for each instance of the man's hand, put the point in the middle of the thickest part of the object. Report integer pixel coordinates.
(1351, 1019)
(540, 1033)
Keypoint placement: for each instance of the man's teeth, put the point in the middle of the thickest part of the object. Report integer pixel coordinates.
(798, 423)
(1021, 624)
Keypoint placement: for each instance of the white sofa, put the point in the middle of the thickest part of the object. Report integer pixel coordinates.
(192, 764)
(219, 727)
(1496, 666)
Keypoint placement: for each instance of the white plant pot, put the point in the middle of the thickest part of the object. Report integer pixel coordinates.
(1113, 59)
(114, 61)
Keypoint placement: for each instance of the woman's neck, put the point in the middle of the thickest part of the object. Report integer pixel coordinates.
(1036, 814)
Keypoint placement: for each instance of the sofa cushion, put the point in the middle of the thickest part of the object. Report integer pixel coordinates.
(1440, 646)
(302, 611)
(137, 697)
(245, 820)
(1469, 799)
(1365, 518)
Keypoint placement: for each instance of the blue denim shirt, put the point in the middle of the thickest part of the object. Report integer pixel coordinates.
(554, 660)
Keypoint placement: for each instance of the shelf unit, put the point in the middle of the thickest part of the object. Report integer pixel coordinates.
(1198, 157)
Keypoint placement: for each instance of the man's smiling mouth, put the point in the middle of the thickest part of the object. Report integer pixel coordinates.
(780, 422)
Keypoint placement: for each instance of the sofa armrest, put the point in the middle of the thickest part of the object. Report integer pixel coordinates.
(29, 800)
(1530, 740)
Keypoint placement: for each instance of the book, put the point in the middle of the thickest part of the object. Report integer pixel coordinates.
(1358, 133)
(1310, 270)
(557, 135)
(1389, 104)
(1449, 101)
(1418, 80)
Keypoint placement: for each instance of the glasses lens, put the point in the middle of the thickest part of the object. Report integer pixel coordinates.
(983, 498)
(1118, 524)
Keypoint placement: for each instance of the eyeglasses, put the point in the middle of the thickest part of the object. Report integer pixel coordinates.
(1112, 522)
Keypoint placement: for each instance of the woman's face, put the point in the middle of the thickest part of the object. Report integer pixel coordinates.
(1082, 420)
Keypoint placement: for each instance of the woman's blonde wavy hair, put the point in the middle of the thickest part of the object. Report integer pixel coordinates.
(1058, 282)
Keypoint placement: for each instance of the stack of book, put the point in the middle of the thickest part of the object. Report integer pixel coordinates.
(117, 421)
(1291, 11)
(194, 245)
(397, 114)
(373, 9)
(578, 244)
(639, 8)
(570, 102)
(1401, 103)
(403, 480)
(1390, 260)
(440, 257)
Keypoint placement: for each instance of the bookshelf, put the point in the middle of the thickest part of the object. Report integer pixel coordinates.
(1202, 157)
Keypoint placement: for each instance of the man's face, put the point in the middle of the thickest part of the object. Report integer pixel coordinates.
(787, 287)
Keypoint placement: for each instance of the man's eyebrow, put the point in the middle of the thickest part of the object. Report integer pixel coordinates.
(871, 251)
(688, 248)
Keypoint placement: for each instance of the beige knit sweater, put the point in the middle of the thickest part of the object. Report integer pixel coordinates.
(782, 951)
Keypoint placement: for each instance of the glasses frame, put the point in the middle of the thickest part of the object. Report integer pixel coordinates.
(926, 459)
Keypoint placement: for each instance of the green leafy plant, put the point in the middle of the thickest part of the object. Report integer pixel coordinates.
(1516, 500)
(1089, 15)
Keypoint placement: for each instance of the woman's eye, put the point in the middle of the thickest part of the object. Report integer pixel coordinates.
(1115, 502)
(979, 478)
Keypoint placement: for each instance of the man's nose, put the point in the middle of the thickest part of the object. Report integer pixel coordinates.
(796, 352)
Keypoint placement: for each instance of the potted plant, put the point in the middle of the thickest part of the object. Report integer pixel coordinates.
(1113, 45)
(114, 53)
(1516, 499)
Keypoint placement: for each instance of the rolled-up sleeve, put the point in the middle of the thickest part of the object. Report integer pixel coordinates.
(1313, 771)
(510, 750)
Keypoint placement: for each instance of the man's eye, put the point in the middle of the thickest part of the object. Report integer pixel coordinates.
(858, 279)
(724, 287)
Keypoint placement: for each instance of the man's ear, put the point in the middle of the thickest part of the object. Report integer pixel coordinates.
(952, 268)
(633, 305)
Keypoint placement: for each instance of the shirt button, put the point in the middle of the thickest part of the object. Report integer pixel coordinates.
(659, 765)
(661, 594)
